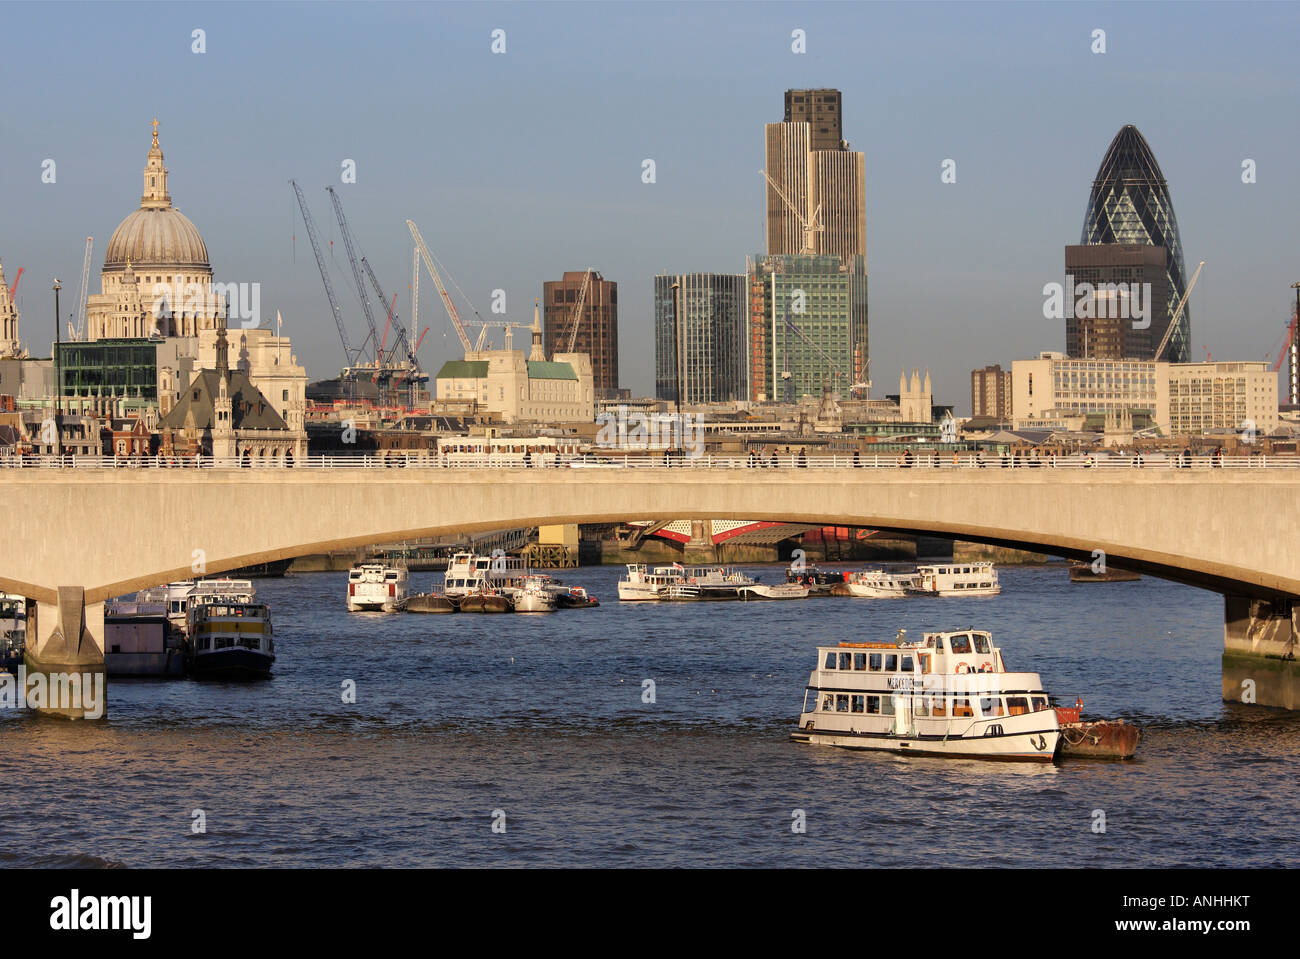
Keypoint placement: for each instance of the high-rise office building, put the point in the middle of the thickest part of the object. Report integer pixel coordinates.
(990, 393)
(1115, 314)
(816, 186)
(822, 110)
(807, 326)
(1130, 204)
(704, 339)
(597, 333)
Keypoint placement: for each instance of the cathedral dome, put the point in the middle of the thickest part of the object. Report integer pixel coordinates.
(156, 236)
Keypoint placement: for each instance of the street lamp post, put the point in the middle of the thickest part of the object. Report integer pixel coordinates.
(677, 355)
(58, 378)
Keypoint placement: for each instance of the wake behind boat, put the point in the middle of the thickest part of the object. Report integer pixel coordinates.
(948, 695)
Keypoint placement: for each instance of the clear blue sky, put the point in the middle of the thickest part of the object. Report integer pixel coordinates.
(520, 166)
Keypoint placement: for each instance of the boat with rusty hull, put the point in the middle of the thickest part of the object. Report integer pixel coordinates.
(1111, 739)
(1086, 573)
(431, 603)
(486, 601)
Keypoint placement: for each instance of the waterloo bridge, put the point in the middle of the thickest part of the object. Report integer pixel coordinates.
(79, 536)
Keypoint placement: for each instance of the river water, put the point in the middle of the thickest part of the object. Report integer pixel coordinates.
(536, 723)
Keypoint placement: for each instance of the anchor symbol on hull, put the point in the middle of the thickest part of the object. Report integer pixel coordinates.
(1041, 744)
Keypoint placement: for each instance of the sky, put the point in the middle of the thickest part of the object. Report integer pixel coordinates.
(520, 165)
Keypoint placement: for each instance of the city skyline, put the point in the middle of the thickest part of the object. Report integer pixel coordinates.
(517, 197)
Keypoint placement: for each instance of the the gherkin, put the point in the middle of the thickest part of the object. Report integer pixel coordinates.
(1130, 204)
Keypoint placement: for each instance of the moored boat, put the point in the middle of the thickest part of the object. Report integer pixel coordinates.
(375, 587)
(778, 591)
(13, 631)
(229, 633)
(533, 595)
(641, 583)
(486, 600)
(1084, 573)
(573, 597)
(431, 603)
(1095, 739)
(948, 695)
(956, 579)
(878, 584)
(468, 573)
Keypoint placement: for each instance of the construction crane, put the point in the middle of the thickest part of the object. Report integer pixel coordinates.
(77, 333)
(13, 287)
(437, 281)
(1173, 320)
(402, 343)
(575, 320)
(810, 225)
(485, 325)
(352, 355)
(355, 263)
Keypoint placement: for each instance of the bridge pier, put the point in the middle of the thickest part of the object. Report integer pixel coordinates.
(65, 657)
(1260, 639)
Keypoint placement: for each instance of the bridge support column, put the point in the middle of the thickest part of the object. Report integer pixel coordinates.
(1260, 639)
(65, 657)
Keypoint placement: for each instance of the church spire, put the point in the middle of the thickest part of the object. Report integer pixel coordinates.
(223, 357)
(155, 178)
(539, 352)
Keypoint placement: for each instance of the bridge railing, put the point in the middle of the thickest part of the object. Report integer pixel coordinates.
(617, 461)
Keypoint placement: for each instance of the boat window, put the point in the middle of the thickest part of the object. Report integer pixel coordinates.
(925, 662)
(907, 666)
(940, 706)
(844, 660)
(961, 643)
(842, 703)
(807, 694)
(1017, 705)
(858, 704)
(921, 706)
(828, 703)
(981, 643)
(225, 642)
(887, 705)
(830, 661)
(873, 704)
(891, 663)
(875, 661)
(859, 660)
(990, 706)
(961, 707)
(1040, 702)
(936, 642)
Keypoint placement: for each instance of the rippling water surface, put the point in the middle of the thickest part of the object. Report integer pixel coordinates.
(540, 717)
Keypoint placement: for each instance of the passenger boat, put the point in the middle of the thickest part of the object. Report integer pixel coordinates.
(229, 632)
(470, 572)
(878, 584)
(709, 582)
(948, 695)
(779, 591)
(819, 580)
(13, 631)
(533, 595)
(642, 583)
(956, 579)
(376, 587)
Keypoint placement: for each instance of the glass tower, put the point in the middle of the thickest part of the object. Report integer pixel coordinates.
(1130, 204)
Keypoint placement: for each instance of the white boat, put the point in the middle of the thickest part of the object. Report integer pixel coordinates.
(13, 630)
(472, 573)
(956, 579)
(642, 583)
(533, 595)
(377, 588)
(779, 591)
(878, 584)
(949, 695)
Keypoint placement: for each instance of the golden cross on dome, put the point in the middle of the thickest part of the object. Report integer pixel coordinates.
(155, 131)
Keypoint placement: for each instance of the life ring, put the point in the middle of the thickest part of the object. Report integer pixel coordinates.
(962, 668)
(986, 667)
